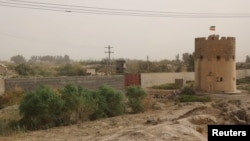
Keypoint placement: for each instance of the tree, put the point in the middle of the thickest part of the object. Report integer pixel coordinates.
(177, 57)
(18, 59)
(188, 59)
(66, 58)
(191, 63)
(247, 59)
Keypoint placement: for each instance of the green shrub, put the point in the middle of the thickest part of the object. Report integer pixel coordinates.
(135, 96)
(88, 105)
(41, 109)
(168, 86)
(71, 96)
(110, 102)
(45, 108)
(194, 98)
(188, 91)
(24, 69)
(79, 104)
(85, 104)
(114, 100)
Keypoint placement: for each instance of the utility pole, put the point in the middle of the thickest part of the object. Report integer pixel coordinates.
(148, 63)
(108, 61)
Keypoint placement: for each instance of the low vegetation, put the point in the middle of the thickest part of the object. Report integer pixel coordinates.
(243, 84)
(46, 108)
(167, 86)
(188, 95)
(11, 97)
(245, 80)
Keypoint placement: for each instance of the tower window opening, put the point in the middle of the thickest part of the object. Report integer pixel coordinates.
(219, 79)
(201, 57)
(218, 58)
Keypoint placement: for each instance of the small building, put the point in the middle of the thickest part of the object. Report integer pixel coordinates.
(120, 66)
(91, 71)
(215, 68)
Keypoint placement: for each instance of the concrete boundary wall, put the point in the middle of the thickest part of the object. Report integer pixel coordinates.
(90, 82)
(93, 82)
(242, 73)
(151, 79)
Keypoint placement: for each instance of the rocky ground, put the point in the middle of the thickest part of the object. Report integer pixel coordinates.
(168, 121)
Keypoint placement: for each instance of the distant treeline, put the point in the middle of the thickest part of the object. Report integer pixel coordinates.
(19, 59)
(49, 58)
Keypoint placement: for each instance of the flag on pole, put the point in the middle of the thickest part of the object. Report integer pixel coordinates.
(212, 28)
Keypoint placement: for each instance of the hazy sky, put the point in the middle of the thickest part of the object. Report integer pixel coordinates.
(84, 36)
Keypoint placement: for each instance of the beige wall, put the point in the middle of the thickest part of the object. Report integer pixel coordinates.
(150, 79)
(242, 73)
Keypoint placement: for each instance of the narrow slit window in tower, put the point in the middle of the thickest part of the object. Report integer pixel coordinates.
(201, 57)
(218, 58)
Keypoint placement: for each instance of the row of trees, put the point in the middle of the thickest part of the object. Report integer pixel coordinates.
(177, 65)
(62, 70)
(19, 59)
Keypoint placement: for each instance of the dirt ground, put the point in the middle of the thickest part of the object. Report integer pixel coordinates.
(168, 121)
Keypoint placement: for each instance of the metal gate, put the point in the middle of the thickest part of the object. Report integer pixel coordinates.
(132, 80)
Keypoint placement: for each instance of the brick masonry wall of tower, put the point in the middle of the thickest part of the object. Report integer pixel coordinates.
(215, 69)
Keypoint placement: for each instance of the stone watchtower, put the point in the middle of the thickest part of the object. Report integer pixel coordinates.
(215, 69)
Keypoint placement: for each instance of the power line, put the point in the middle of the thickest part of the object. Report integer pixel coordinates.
(112, 11)
(115, 9)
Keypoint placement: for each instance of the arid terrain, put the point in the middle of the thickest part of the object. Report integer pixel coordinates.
(168, 121)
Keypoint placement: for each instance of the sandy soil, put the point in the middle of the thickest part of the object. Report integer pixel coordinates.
(169, 121)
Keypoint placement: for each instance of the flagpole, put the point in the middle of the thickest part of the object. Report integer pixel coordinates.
(212, 28)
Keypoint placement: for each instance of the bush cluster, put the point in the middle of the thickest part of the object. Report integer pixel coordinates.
(46, 108)
(189, 95)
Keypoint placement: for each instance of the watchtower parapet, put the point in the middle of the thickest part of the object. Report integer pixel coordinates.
(215, 47)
